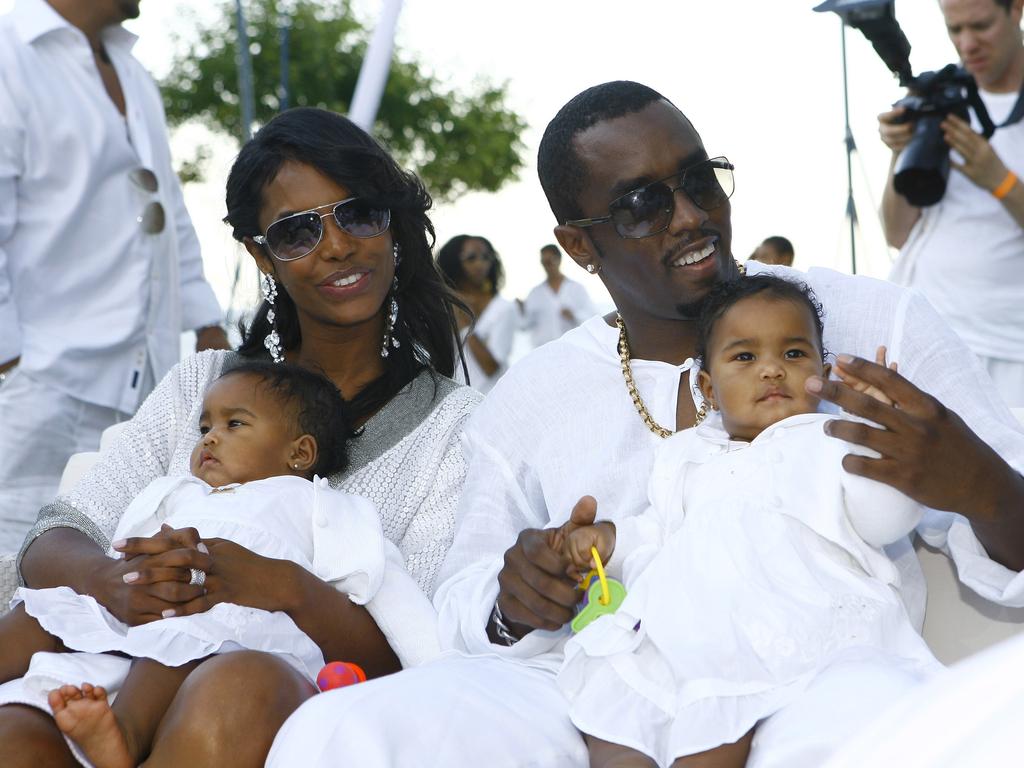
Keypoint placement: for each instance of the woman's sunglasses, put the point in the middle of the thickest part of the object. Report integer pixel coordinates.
(648, 210)
(297, 235)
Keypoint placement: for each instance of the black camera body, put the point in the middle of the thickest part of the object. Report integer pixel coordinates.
(922, 170)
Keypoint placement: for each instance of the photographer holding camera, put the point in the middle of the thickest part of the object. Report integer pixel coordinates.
(966, 252)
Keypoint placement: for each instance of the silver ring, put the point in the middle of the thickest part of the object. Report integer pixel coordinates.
(198, 578)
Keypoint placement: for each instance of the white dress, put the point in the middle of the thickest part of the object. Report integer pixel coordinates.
(757, 565)
(496, 328)
(331, 533)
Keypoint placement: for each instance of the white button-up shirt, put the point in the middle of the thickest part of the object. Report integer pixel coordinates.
(543, 310)
(90, 302)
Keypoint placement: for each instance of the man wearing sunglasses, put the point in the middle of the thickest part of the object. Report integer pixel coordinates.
(570, 433)
(100, 268)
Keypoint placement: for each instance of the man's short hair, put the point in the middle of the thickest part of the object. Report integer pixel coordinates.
(561, 171)
(781, 245)
(551, 248)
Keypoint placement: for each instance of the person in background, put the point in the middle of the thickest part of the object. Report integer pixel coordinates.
(100, 268)
(966, 252)
(472, 267)
(556, 305)
(774, 250)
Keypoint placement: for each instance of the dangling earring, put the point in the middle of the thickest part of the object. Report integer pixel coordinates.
(268, 287)
(390, 338)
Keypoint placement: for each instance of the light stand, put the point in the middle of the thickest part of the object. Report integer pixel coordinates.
(851, 147)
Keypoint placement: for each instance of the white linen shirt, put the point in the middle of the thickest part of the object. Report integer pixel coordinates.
(543, 307)
(87, 299)
(496, 329)
(561, 424)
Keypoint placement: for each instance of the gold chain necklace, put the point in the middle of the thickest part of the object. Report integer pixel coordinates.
(627, 374)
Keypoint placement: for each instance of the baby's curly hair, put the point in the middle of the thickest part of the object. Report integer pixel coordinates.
(315, 404)
(729, 293)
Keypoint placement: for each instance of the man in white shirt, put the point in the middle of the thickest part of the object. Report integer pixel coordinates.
(640, 203)
(966, 252)
(556, 305)
(100, 269)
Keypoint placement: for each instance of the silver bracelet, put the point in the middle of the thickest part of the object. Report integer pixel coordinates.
(501, 628)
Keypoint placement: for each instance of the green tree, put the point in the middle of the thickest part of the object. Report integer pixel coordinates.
(456, 142)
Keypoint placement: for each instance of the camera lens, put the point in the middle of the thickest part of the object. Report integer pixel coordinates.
(923, 167)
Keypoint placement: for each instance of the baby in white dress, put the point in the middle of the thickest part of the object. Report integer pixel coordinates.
(269, 436)
(758, 563)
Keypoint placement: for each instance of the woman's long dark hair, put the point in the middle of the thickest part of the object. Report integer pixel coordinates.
(449, 260)
(339, 149)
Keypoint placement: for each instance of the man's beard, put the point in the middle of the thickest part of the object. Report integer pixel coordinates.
(692, 310)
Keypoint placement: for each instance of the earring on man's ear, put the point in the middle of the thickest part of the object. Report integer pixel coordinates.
(390, 338)
(591, 269)
(272, 341)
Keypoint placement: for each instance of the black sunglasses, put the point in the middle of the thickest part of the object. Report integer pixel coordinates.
(297, 235)
(648, 210)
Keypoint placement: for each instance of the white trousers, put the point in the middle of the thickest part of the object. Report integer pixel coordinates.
(465, 712)
(40, 428)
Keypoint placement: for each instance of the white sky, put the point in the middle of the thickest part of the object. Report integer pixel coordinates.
(760, 79)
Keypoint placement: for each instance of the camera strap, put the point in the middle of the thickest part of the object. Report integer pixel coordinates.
(1017, 112)
(987, 126)
(974, 99)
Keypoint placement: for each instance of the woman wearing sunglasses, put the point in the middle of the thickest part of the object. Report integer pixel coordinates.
(472, 267)
(343, 243)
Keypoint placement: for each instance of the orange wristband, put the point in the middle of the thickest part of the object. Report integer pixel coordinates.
(1005, 186)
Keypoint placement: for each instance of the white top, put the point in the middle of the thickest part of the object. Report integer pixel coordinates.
(756, 566)
(87, 299)
(966, 253)
(328, 532)
(411, 466)
(561, 425)
(542, 310)
(496, 328)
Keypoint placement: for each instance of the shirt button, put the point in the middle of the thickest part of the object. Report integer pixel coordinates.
(321, 521)
(776, 502)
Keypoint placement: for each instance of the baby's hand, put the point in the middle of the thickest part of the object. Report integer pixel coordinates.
(580, 541)
(862, 386)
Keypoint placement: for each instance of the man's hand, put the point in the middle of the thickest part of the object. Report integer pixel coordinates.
(851, 380)
(211, 337)
(535, 590)
(981, 163)
(895, 135)
(927, 451)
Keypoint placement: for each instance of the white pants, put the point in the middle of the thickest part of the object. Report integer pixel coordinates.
(40, 428)
(465, 712)
(1008, 376)
(969, 716)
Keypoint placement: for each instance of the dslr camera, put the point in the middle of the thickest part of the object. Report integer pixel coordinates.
(922, 169)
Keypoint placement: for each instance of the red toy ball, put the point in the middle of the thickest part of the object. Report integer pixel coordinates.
(338, 674)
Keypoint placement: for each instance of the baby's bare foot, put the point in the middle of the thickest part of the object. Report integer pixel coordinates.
(84, 715)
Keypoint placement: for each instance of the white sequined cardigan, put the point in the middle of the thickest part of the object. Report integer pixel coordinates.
(408, 461)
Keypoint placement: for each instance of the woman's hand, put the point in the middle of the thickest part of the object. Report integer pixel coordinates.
(152, 581)
(240, 576)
